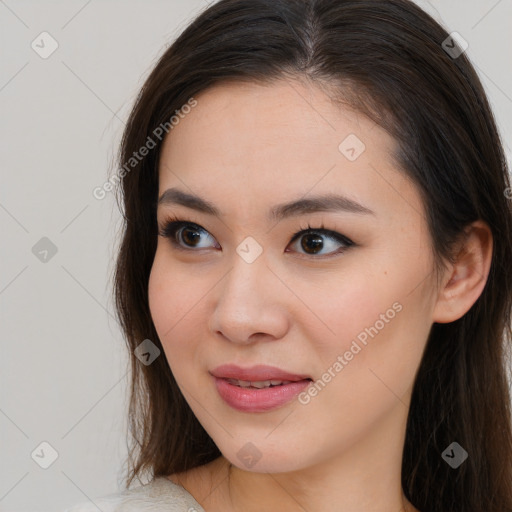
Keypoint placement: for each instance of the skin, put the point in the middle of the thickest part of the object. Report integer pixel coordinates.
(246, 148)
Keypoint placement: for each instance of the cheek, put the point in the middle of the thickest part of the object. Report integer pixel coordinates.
(341, 304)
(370, 366)
(377, 316)
(175, 304)
(174, 291)
(162, 295)
(373, 376)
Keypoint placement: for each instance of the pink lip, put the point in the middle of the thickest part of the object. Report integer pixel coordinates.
(252, 399)
(255, 373)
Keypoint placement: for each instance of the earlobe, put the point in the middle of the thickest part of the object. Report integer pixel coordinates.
(466, 278)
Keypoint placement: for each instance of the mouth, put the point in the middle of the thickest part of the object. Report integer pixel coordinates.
(259, 388)
(262, 383)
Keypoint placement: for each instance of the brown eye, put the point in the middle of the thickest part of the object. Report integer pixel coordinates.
(184, 235)
(313, 241)
(190, 236)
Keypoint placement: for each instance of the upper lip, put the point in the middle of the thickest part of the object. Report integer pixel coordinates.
(259, 372)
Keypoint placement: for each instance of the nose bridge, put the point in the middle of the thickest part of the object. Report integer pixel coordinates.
(243, 306)
(244, 283)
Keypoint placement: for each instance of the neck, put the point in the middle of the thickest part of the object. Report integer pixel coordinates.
(365, 476)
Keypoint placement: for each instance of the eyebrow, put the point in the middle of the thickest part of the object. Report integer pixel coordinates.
(320, 203)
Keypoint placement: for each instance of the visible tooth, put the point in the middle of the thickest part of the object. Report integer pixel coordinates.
(258, 384)
(261, 384)
(241, 383)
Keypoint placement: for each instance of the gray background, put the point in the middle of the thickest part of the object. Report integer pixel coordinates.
(63, 360)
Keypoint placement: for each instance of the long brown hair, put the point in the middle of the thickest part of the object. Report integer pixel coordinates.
(387, 60)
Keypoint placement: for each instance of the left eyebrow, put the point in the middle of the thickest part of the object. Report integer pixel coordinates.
(321, 203)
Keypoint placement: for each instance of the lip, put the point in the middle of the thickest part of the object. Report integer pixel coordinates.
(257, 400)
(255, 373)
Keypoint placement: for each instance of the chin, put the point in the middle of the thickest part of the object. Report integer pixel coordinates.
(264, 460)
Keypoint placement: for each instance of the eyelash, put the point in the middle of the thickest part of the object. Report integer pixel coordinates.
(172, 224)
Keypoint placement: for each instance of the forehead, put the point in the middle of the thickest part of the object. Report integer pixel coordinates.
(262, 144)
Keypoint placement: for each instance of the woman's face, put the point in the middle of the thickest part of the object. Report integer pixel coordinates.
(237, 288)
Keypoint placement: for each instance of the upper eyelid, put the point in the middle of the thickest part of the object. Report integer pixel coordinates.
(181, 223)
(178, 223)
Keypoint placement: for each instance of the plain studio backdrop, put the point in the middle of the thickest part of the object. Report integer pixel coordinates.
(69, 74)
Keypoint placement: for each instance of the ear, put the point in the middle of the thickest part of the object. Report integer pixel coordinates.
(465, 279)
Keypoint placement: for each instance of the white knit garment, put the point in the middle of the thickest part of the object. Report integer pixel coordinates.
(159, 495)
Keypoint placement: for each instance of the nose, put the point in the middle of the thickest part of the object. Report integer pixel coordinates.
(250, 304)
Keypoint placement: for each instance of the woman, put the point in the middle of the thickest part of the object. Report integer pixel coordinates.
(313, 279)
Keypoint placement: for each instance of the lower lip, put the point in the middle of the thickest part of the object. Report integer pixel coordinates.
(258, 400)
